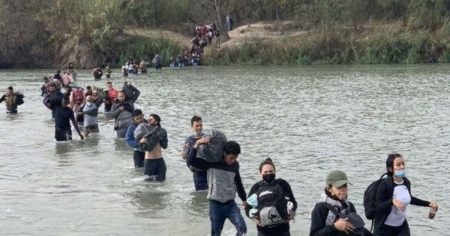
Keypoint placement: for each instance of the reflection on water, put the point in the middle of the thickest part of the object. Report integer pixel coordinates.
(309, 120)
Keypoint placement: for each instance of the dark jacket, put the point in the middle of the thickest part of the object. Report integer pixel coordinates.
(383, 202)
(223, 179)
(287, 192)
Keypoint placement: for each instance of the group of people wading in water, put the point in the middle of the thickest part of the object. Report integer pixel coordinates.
(213, 160)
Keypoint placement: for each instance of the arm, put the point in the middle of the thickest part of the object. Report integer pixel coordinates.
(2, 98)
(92, 112)
(318, 222)
(74, 123)
(383, 200)
(130, 138)
(196, 162)
(288, 193)
(163, 141)
(115, 111)
(185, 149)
(414, 200)
(240, 187)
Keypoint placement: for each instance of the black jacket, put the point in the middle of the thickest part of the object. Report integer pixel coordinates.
(383, 202)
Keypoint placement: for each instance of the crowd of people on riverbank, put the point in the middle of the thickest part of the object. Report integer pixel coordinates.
(213, 161)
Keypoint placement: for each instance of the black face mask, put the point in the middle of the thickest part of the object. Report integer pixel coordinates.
(268, 178)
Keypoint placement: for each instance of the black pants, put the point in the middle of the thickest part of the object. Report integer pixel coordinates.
(155, 169)
(402, 230)
(63, 135)
(200, 180)
(138, 158)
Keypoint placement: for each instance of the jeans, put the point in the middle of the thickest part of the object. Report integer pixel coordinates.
(200, 180)
(138, 158)
(219, 212)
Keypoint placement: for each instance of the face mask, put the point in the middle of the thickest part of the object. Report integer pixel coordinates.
(268, 178)
(399, 173)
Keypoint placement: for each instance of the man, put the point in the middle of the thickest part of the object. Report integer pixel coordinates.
(111, 96)
(223, 180)
(154, 164)
(12, 100)
(138, 154)
(63, 116)
(200, 176)
(53, 98)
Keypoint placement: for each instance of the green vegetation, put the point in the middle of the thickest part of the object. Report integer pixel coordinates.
(40, 33)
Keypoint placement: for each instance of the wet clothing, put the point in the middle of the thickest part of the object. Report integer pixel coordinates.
(220, 211)
(223, 179)
(63, 116)
(138, 154)
(155, 169)
(122, 119)
(199, 176)
(11, 101)
(131, 92)
(279, 229)
(384, 207)
(90, 113)
(53, 100)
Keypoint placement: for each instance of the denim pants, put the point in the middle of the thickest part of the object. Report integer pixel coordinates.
(219, 212)
(200, 180)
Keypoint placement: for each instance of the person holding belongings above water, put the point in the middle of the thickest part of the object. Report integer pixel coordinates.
(12, 100)
(223, 182)
(271, 203)
(334, 214)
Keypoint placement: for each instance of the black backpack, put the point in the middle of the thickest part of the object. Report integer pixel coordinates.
(370, 196)
(19, 99)
(272, 205)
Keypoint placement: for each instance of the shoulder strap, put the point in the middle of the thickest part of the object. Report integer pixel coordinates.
(332, 209)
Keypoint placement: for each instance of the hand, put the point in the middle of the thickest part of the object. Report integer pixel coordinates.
(203, 140)
(344, 226)
(398, 204)
(433, 205)
(143, 140)
(254, 219)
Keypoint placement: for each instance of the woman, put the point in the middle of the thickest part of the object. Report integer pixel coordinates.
(333, 214)
(272, 196)
(121, 112)
(393, 196)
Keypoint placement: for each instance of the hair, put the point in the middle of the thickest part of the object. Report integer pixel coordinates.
(157, 118)
(390, 163)
(267, 161)
(232, 147)
(195, 119)
(88, 87)
(137, 112)
(109, 82)
(10, 88)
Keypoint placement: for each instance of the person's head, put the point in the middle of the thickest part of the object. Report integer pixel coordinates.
(231, 152)
(88, 88)
(109, 84)
(121, 96)
(154, 120)
(90, 99)
(138, 116)
(94, 94)
(395, 165)
(337, 182)
(197, 125)
(51, 87)
(267, 170)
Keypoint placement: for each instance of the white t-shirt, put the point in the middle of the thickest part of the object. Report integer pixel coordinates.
(397, 217)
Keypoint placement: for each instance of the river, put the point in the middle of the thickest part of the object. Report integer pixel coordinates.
(309, 120)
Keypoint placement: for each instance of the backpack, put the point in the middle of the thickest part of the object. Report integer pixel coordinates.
(213, 151)
(19, 99)
(370, 196)
(272, 205)
(149, 132)
(352, 217)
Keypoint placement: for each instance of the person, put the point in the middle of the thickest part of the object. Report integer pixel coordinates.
(154, 164)
(393, 197)
(331, 214)
(229, 21)
(97, 72)
(271, 193)
(223, 182)
(57, 76)
(90, 116)
(111, 96)
(72, 71)
(44, 86)
(63, 116)
(121, 113)
(53, 99)
(157, 61)
(12, 100)
(108, 71)
(131, 92)
(143, 65)
(199, 176)
(138, 154)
